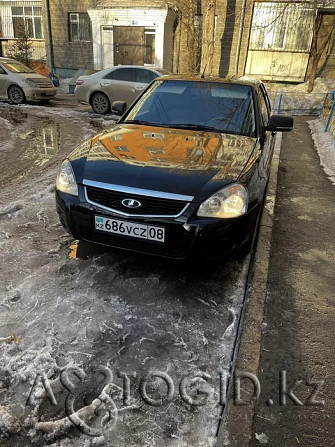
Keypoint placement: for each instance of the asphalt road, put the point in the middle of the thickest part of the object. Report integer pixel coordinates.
(135, 350)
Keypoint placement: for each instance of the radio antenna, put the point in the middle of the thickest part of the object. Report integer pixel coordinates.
(203, 73)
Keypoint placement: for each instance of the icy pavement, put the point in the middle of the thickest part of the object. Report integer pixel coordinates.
(100, 347)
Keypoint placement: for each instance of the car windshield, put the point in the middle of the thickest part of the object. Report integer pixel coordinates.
(17, 67)
(212, 106)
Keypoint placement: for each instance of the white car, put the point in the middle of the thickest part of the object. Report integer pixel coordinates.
(19, 83)
(120, 83)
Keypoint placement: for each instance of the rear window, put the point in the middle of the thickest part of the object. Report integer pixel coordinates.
(122, 74)
(145, 76)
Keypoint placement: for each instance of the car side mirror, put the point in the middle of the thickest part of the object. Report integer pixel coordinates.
(119, 108)
(279, 123)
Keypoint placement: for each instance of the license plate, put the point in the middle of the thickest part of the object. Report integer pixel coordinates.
(130, 229)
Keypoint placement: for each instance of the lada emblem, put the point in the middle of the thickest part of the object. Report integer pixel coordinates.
(131, 203)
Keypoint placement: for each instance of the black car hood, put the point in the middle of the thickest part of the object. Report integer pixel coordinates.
(178, 161)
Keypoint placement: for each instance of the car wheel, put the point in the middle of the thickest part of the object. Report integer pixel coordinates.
(100, 103)
(16, 95)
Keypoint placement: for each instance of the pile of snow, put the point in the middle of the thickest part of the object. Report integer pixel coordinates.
(325, 146)
(64, 85)
(295, 99)
(320, 86)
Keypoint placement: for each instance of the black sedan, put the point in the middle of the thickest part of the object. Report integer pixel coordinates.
(183, 171)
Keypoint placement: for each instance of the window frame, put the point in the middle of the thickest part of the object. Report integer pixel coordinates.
(25, 16)
(266, 34)
(81, 28)
(150, 32)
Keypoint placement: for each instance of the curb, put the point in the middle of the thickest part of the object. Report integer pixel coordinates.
(237, 420)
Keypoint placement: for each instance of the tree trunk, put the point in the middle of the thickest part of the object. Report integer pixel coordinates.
(317, 47)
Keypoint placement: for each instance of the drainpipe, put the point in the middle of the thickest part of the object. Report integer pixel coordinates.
(239, 41)
(49, 36)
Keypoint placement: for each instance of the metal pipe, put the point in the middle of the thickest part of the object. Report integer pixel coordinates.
(239, 41)
(50, 55)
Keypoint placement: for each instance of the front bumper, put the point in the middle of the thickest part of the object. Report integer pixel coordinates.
(39, 93)
(209, 238)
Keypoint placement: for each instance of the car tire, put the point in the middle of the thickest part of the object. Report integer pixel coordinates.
(16, 94)
(100, 103)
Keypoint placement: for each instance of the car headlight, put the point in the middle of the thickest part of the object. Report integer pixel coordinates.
(66, 181)
(29, 83)
(230, 201)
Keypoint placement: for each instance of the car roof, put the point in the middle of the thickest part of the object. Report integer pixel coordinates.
(132, 66)
(197, 78)
(114, 67)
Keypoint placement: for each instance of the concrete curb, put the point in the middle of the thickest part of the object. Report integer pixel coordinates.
(236, 426)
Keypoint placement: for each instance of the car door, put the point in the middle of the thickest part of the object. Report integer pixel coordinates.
(268, 137)
(143, 78)
(119, 84)
(3, 82)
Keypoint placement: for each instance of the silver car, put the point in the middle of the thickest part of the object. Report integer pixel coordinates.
(120, 83)
(19, 83)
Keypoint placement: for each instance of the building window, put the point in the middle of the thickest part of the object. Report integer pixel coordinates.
(27, 22)
(80, 27)
(278, 26)
(149, 46)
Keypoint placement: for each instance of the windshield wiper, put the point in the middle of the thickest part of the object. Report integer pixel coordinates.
(148, 123)
(194, 126)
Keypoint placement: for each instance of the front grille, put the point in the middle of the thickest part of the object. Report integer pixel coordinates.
(151, 206)
(43, 84)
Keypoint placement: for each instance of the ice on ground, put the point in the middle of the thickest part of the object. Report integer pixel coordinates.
(262, 438)
(130, 313)
(325, 146)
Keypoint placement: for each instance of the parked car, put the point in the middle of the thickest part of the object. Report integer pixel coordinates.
(122, 83)
(19, 83)
(184, 170)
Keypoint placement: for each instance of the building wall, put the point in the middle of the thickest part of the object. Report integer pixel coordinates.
(68, 55)
(232, 37)
(232, 32)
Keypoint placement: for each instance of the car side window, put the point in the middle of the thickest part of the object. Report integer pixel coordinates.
(145, 76)
(264, 107)
(121, 74)
(2, 71)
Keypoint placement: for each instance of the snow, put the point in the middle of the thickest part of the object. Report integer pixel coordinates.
(262, 438)
(64, 85)
(321, 85)
(296, 100)
(325, 146)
